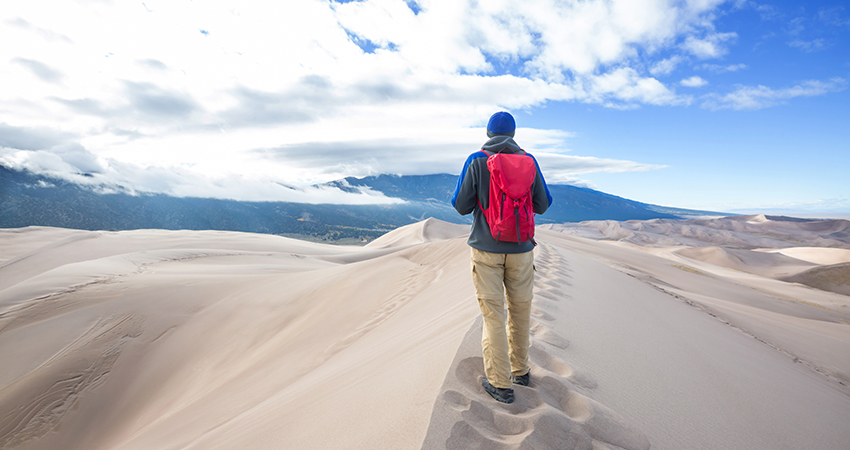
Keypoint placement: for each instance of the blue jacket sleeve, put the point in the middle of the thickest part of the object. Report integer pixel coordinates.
(465, 197)
(542, 198)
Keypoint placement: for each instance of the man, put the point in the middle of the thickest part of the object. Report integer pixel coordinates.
(500, 267)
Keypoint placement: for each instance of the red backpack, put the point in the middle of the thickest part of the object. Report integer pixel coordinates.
(511, 212)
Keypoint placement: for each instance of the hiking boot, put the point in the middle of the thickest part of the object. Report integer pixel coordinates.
(522, 380)
(501, 395)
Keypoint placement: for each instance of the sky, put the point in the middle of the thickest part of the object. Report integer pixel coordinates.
(734, 106)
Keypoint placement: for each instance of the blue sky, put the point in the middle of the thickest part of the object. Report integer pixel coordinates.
(789, 155)
(737, 106)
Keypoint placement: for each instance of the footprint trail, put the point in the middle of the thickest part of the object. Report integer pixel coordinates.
(555, 411)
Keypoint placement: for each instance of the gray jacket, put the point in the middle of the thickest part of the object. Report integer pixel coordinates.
(472, 194)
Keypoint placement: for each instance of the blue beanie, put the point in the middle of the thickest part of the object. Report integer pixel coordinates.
(501, 123)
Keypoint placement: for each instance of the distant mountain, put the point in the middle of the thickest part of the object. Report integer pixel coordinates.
(571, 203)
(420, 188)
(28, 199)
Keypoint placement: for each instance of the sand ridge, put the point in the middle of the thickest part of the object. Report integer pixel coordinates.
(751, 292)
(552, 412)
(227, 325)
(638, 365)
(744, 232)
(769, 264)
(814, 255)
(419, 233)
(178, 339)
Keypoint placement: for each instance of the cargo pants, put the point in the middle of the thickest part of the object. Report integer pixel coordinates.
(505, 337)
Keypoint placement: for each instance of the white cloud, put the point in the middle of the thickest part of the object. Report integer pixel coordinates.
(547, 38)
(693, 81)
(102, 175)
(40, 70)
(370, 86)
(18, 22)
(834, 16)
(31, 138)
(767, 12)
(757, 97)
(626, 86)
(665, 66)
(269, 49)
(562, 168)
(809, 46)
(712, 46)
(835, 208)
(717, 68)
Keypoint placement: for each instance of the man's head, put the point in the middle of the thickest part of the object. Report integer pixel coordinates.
(501, 123)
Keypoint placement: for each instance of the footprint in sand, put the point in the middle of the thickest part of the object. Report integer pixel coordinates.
(548, 414)
(541, 315)
(551, 274)
(550, 295)
(552, 412)
(494, 422)
(548, 362)
(456, 400)
(545, 334)
(469, 372)
(54, 389)
(546, 304)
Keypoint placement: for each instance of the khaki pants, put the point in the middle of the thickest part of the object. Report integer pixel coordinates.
(504, 342)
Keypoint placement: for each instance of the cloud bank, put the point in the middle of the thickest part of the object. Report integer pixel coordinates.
(77, 165)
(291, 93)
(757, 97)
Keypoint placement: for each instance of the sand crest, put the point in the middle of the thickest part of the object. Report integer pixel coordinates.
(419, 233)
(621, 360)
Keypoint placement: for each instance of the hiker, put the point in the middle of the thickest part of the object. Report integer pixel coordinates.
(502, 261)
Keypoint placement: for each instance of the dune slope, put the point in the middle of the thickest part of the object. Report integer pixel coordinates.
(621, 360)
(163, 339)
(176, 339)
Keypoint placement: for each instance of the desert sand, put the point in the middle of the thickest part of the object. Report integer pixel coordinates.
(654, 334)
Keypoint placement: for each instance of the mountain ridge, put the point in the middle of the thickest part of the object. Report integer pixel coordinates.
(30, 199)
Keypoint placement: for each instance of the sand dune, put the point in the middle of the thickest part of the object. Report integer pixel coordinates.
(555, 411)
(222, 332)
(771, 265)
(815, 255)
(833, 278)
(428, 230)
(18, 241)
(180, 339)
(745, 232)
(770, 246)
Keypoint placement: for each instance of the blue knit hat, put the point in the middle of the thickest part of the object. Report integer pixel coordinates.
(501, 123)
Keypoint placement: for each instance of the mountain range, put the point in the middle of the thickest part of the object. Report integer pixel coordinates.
(31, 199)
